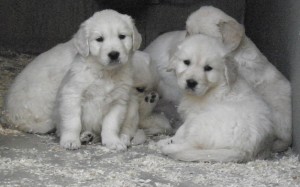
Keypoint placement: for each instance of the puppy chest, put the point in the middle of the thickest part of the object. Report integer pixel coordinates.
(104, 93)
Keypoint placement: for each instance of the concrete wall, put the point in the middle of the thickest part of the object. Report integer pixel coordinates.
(33, 26)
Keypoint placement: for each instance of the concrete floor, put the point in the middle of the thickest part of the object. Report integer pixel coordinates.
(35, 160)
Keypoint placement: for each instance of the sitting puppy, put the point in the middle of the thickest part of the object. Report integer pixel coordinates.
(224, 119)
(265, 79)
(143, 99)
(80, 85)
(144, 80)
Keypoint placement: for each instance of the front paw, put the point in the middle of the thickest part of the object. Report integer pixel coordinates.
(71, 143)
(152, 98)
(125, 139)
(114, 144)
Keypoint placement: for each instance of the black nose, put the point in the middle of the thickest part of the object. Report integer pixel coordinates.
(191, 83)
(114, 55)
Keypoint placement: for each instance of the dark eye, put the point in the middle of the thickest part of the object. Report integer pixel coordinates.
(100, 39)
(187, 62)
(122, 36)
(207, 68)
(140, 89)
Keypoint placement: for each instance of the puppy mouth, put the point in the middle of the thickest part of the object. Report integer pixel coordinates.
(199, 91)
(188, 89)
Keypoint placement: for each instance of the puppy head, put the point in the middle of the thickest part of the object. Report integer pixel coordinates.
(201, 64)
(108, 37)
(211, 21)
(144, 73)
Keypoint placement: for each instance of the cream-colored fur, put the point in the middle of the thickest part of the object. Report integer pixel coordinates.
(224, 119)
(266, 80)
(89, 78)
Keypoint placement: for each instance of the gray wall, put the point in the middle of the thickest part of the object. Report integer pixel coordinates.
(33, 26)
(294, 58)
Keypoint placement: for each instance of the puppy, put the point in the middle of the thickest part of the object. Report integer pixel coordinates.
(94, 94)
(30, 100)
(266, 80)
(224, 119)
(160, 51)
(252, 65)
(143, 99)
(81, 85)
(145, 80)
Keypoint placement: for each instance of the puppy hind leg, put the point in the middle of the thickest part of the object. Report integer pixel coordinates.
(156, 124)
(139, 137)
(87, 137)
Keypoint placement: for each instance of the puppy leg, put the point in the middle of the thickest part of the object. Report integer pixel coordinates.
(156, 124)
(69, 110)
(70, 126)
(178, 138)
(111, 128)
(131, 122)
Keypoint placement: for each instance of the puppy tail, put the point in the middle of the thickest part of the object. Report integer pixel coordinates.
(207, 155)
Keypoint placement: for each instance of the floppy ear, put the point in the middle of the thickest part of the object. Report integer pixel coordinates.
(136, 36)
(232, 34)
(173, 58)
(230, 70)
(81, 41)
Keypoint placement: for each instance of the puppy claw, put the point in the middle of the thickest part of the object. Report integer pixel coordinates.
(87, 137)
(70, 144)
(115, 144)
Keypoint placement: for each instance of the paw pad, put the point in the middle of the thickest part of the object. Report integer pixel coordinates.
(151, 97)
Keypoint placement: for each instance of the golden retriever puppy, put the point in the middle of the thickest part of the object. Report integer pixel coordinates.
(143, 100)
(224, 119)
(266, 80)
(145, 83)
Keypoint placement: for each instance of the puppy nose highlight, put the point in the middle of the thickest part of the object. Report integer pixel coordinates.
(191, 83)
(114, 55)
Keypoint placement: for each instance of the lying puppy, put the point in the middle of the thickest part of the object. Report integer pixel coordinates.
(224, 119)
(89, 78)
(252, 65)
